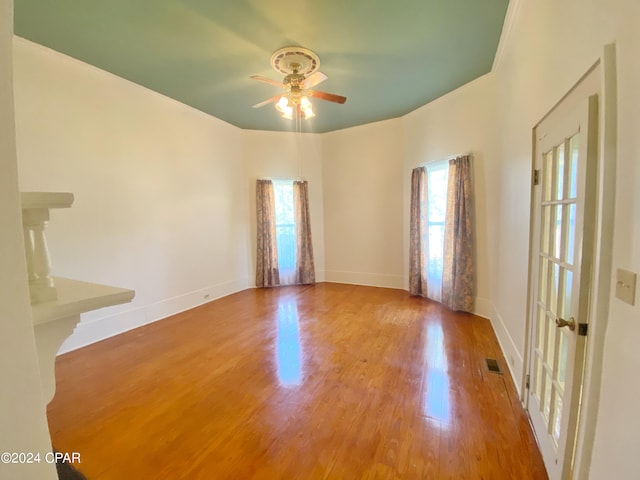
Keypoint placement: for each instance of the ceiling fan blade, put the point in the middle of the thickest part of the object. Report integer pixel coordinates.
(268, 101)
(267, 80)
(326, 96)
(313, 80)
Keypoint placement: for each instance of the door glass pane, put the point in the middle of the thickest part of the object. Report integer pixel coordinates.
(565, 222)
(553, 291)
(537, 390)
(557, 417)
(571, 233)
(543, 280)
(551, 341)
(566, 296)
(562, 358)
(542, 316)
(544, 231)
(559, 171)
(558, 233)
(547, 176)
(546, 400)
(573, 166)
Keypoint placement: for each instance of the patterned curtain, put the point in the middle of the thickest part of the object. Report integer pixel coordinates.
(267, 274)
(457, 271)
(305, 269)
(417, 233)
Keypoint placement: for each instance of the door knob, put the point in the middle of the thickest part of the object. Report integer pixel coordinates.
(560, 322)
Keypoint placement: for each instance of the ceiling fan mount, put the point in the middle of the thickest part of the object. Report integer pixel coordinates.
(295, 60)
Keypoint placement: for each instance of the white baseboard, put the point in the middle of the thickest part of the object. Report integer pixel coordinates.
(509, 348)
(365, 279)
(95, 329)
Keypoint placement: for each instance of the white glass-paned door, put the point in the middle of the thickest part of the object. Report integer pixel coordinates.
(562, 245)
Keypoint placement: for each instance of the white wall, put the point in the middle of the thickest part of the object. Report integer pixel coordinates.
(23, 422)
(286, 155)
(363, 198)
(550, 46)
(459, 123)
(161, 195)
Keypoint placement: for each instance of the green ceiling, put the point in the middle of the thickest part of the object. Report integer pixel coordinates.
(387, 57)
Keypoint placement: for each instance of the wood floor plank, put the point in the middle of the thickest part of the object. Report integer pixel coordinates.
(317, 382)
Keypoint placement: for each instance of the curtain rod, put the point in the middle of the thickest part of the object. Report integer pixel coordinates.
(450, 157)
(281, 179)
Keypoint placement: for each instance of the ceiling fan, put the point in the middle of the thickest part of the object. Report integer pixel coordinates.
(300, 67)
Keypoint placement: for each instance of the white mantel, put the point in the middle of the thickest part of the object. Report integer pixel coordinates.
(36, 200)
(76, 297)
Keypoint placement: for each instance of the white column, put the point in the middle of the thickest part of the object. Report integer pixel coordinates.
(41, 285)
(35, 215)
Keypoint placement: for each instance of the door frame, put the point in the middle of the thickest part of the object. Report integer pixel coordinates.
(601, 276)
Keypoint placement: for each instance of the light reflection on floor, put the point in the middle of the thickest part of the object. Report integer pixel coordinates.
(437, 395)
(288, 348)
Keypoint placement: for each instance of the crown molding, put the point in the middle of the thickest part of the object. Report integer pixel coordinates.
(509, 21)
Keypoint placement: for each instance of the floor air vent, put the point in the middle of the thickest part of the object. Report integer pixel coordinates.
(493, 366)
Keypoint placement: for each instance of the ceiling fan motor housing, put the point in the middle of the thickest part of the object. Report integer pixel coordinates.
(293, 79)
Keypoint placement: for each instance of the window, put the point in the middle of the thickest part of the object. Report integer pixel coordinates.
(284, 247)
(440, 222)
(285, 230)
(437, 181)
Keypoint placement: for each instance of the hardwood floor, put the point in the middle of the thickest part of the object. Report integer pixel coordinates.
(327, 381)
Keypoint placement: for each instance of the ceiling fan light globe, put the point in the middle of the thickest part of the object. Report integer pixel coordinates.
(305, 103)
(283, 104)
